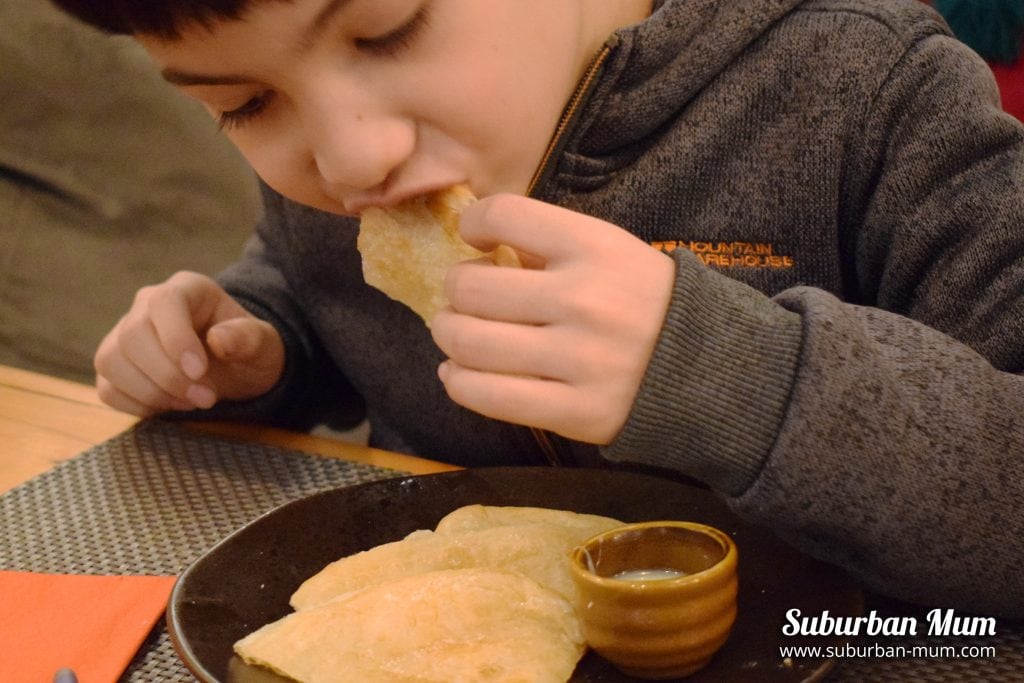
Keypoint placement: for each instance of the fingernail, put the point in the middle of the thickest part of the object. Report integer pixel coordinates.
(191, 365)
(201, 396)
(65, 675)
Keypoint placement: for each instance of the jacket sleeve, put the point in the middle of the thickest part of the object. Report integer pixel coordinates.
(884, 433)
(312, 388)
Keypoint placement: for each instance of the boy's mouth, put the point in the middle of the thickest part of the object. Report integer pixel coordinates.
(384, 200)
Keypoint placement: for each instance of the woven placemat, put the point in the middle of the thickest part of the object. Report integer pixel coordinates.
(153, 499)
(150, 501)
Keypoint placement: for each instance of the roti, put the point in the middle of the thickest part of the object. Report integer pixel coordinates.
(485, 596)
(469, 517)
(532, 541)
(480, 625)
(408, 248)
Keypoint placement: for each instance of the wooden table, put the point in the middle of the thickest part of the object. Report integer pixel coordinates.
(45, 420)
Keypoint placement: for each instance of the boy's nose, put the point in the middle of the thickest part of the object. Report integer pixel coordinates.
(357, 152)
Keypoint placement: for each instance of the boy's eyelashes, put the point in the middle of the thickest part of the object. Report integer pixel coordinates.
(251, 109)
(393, 42)
(387, 44)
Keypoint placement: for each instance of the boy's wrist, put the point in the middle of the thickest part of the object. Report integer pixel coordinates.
(716, 388)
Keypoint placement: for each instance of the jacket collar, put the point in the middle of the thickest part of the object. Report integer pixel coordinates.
(659, 65)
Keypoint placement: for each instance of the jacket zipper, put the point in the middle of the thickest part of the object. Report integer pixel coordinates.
(583, 89)
(542, 437)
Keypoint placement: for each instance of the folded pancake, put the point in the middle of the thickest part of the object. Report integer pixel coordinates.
(408, 248)
(480, 625)
(531, 541)
(485, 597)
(471, 517)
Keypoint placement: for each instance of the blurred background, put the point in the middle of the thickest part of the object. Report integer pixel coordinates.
(995, 30)
(109, 180)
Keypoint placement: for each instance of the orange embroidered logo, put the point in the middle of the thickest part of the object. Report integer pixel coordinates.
(730, 254)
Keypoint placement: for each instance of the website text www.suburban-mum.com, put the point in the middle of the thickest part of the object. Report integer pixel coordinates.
(938, 624)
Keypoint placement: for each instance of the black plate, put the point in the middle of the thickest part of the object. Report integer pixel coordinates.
(245, 581)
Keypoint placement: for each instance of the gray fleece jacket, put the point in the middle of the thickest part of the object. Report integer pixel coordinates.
(843, 351)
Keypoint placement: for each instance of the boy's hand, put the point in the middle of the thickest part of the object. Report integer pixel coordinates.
(564, 343)
(186, 344)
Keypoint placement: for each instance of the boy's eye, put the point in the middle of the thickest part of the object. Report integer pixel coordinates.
(395, 41)
(251, 109)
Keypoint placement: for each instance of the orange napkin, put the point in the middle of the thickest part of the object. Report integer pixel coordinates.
(91, 624)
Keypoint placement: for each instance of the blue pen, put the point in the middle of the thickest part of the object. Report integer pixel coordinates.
(65, 676)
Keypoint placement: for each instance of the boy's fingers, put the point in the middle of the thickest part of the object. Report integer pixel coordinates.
(547, 404)
(117, 399)
(541, 230)
(511, 398)
(143, 350)
(201, 396)
(488, 291)
(123, 381)
(175, 323)
(498, 347)
(193, 364)
(238, 339)
(181, 309)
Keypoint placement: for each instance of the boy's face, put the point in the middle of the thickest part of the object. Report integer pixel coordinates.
(341, 104)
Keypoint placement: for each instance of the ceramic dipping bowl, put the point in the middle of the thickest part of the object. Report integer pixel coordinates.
(657, 599)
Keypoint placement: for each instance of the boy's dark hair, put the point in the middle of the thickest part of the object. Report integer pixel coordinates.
(163, 18)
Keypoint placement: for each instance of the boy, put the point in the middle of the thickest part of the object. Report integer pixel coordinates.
(827, 329)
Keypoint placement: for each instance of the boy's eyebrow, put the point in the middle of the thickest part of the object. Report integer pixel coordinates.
(178, 77)
(309, 37)
(320, 22)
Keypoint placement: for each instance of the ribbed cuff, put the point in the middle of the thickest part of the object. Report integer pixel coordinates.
(717, 385)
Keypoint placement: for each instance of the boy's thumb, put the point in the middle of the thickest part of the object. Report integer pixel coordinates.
(235, 340)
